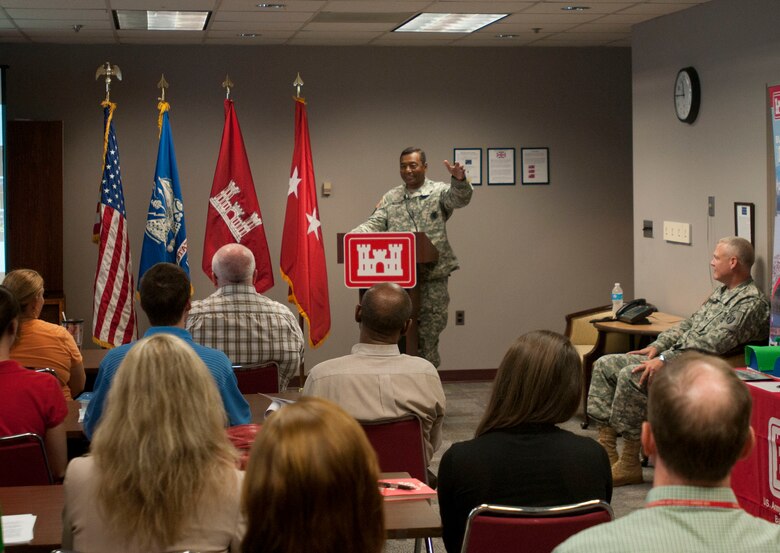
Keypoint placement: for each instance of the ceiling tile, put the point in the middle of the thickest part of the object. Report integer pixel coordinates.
(595, 7)
(299, 17)
(479, 6)
(85, 15)
(55, 24)
(253, 27)
(375, 6)
(340, 27)
(656, 9)
(55, 4)
(289, 5)
(156, 5)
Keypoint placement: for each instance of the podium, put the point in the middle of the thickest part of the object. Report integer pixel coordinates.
(426, 254)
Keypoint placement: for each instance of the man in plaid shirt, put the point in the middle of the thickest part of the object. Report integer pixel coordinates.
(247, 326)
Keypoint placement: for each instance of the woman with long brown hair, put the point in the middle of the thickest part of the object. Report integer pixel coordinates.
(311, 484)
(518, 455)
(161, 475)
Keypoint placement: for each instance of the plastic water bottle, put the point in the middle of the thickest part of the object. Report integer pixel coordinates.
(617, 299)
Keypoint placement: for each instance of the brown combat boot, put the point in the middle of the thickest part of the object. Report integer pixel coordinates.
(608, 439)
(628, 469)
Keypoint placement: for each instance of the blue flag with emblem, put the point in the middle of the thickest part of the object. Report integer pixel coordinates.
(165, 237)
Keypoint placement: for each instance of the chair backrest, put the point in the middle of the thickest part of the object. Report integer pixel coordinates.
(399, 445)
(23, 461)
(578, 327)
(499, 528)
(256, 378)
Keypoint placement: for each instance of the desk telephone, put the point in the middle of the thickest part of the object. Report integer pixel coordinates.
(635, 312)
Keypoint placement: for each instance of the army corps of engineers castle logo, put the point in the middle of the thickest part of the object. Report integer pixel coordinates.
(371, 258)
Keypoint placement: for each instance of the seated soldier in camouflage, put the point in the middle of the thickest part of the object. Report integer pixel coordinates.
(734, 314)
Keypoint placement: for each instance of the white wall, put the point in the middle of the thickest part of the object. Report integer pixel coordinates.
(735, 47)
(529, 254)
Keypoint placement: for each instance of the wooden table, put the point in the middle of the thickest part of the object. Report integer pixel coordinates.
(403, 519)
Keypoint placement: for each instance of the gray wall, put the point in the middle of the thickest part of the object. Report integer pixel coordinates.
(726, 153)
(529, 254)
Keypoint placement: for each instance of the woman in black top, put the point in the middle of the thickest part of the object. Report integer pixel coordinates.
(518, 456)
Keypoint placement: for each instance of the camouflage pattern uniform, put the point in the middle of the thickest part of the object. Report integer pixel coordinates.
(427, 210)
(727, 319)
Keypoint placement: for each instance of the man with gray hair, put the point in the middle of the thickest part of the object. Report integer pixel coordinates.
(698, 427)
(247, 326)
(735, 314)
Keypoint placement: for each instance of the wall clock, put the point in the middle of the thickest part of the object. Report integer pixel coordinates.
(687, 95)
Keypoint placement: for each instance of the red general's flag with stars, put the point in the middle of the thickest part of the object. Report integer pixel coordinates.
(234, 212)
(303, 252)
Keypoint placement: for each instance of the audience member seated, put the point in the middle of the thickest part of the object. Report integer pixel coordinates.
(247, 326)
(165, 298)
(698, 427)
(519, 456)
(311, 484)
(734, 314)
(161, 475)
(376, 381)
(32, 402)
(40, 344)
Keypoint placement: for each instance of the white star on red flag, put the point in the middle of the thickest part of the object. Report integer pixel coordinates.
(294, 182)
(314, 223)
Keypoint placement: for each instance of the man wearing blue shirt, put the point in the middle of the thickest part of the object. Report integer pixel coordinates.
(165, 298)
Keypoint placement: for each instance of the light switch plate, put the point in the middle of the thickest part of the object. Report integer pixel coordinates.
(677, 232)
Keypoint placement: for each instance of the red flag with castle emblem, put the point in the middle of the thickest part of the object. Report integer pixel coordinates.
(234, 212)
(303, 253)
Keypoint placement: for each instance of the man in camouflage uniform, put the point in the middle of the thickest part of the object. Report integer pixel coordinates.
(422, 205)
(735, 314)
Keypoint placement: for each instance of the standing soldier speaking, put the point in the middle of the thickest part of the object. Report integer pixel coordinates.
(422, 205)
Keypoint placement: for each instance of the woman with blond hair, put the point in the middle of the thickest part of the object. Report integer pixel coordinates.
(311, 484)
(161, 475)
(40, 344)
(519, 456)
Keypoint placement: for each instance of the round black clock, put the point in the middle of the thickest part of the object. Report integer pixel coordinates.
(687, 95)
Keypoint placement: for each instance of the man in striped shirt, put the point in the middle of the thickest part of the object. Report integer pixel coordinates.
(698, 427)
(247, 326)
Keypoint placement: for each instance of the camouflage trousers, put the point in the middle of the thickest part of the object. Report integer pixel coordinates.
(615, 398)
(432, 319)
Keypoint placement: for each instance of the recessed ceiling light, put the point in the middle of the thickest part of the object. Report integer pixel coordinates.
(161, 20)
(449, 22)
(575, 8)
(271, 6)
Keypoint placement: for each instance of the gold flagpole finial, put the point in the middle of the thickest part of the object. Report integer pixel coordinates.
(298, 83)
(162, 85)
(227, 84)
(109, 71)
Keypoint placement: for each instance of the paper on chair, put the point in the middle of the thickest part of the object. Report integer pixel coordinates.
(18, 529)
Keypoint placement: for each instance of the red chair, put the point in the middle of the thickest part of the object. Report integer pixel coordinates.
(399, 448)
(23, 461)
(257, 378)
(500, 529)
(399, 445)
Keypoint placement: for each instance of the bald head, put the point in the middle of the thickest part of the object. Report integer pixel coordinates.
(384, 313)
(699, 413)
(233, 264)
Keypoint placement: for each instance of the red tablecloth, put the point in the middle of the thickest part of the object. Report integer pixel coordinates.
(756, 479)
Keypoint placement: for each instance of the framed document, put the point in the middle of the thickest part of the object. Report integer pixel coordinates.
(744, 220)
(536, 165)
(501, 166)
(471, 159)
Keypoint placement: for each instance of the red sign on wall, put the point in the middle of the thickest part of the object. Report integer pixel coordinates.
(371, 258)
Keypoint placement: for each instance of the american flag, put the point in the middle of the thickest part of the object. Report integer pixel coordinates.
(113, 321)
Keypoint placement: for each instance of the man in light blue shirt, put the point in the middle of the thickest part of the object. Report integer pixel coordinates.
(698, 427)
(165, 298)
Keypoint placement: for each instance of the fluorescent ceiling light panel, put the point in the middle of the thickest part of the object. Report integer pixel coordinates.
(449, 22)
(161, 20)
